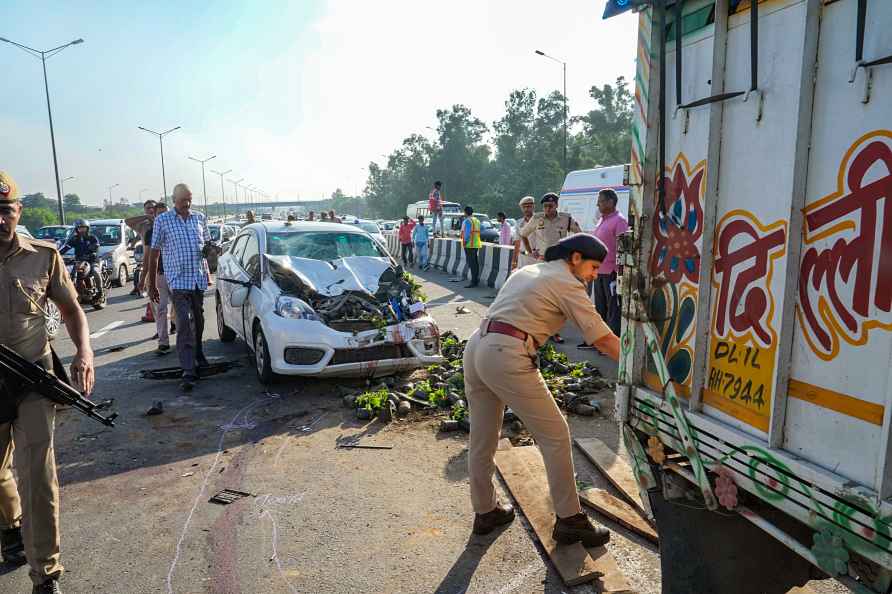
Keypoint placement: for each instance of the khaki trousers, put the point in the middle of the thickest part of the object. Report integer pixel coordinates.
(164, 299)
(35, 503)
(499, 371)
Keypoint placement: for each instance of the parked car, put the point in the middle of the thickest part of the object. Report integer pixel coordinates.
(488, 231)
(23, 230)
(116, 243)
(56, 233)
(370, 227)
(321, 299)
(388, 225)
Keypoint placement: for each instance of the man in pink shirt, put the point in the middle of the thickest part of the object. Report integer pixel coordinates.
(612, 224)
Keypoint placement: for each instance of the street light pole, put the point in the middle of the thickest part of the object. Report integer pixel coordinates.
(203, 182)
(222, 189)
(62, 185)
(564, 65)
(44, 56)
(110, 188)
(235, 183)
(160, 136)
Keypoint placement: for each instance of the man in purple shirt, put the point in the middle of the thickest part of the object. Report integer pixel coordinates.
(612, 224)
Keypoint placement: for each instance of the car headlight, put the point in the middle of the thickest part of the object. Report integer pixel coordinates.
(294, 308)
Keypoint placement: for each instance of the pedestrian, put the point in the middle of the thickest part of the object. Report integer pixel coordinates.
(32, 271)
(522, 253)
(311, 216)
(250, 218)
(435, 206)
(324, 216)
(141, 224)
(612, 224)
(505, 231)
(548, 228)
(291, 218)
(470, 239)
(332, 217)
(181, 235)
(404, 233)
(162, 334)
(500, 369)
(421, 238)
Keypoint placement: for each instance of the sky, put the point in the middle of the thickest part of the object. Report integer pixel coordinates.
(295, 97)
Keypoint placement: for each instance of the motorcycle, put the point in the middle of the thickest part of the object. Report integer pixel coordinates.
(92, 293)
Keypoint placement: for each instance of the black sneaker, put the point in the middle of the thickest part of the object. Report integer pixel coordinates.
(579, 528)
(11, 546)
(486, 523)
(187, 384)
(51, 586)
(162, 349)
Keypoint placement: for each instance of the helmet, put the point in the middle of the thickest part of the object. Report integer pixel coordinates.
(81, 223)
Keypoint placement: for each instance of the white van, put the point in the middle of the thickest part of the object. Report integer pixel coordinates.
(421, 208)
(579, 195)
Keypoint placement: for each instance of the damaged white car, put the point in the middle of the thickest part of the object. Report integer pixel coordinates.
(321, 299)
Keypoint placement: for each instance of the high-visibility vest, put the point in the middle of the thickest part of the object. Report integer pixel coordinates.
(474, 240)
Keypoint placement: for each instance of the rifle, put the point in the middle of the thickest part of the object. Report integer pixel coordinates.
(18, 371)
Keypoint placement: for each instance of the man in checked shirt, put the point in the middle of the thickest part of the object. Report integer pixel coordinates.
(181, 235)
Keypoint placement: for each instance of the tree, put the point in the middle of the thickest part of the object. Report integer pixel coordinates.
(35, 218)
(606, 138)
(71, 201)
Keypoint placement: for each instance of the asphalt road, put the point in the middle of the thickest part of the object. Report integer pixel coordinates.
(135, 510)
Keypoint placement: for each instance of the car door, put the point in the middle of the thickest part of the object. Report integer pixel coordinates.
(229, 268)
(249, 271)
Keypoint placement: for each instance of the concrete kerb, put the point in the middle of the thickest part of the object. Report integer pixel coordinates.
(449, 257)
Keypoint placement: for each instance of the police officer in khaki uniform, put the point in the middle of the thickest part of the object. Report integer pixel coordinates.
(547, 228)
(500, 368)
(522, 254)
(31, 272)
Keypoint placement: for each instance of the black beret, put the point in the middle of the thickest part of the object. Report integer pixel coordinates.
(588, 245)
(549, 197)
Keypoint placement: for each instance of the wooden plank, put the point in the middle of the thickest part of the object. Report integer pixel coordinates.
(614, 469)
(524, 472)
(619, 511)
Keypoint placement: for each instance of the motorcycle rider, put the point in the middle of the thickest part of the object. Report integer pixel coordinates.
(86, 248)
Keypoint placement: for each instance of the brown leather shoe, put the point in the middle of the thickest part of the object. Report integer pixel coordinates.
(486, 523)
(579, 528)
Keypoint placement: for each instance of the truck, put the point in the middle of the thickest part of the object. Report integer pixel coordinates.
(754, 381)
(579, 194)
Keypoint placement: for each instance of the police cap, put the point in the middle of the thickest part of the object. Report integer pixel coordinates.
(527, 200)
(586, 244)
(549, 197)
(9, 191)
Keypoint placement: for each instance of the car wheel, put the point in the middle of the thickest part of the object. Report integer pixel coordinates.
(122, 276)
(226, 333)
(53, 320)
(261, 358)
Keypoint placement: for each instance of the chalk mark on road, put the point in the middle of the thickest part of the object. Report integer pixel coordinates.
(107, 328)
(226, 428)
(275, 557)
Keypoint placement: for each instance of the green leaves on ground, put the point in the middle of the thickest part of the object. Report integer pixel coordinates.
(373, 400)
(459, 412)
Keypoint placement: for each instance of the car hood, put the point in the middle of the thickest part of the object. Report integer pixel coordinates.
(362, 274)
(106, 249)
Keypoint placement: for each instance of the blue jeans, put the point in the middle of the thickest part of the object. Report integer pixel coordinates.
(437, 215)
(421, 253)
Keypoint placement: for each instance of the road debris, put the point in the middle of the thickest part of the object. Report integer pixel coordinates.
(177, 372)
(363, 446)
(461, 309)
(156, 409)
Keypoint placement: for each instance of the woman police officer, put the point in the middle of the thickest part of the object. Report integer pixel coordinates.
(500, 368)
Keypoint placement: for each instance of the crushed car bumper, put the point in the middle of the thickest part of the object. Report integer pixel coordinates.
(305, 347)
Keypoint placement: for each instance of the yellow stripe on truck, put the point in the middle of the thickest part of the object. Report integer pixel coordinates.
(841, 403)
